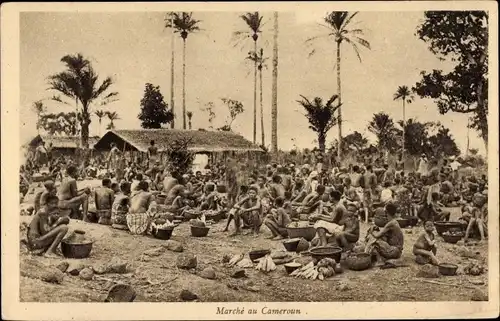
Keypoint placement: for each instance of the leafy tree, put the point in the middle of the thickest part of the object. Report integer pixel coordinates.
(383, 127)
(80, 82)
(404, 94)
(183, 24)
(235, 108)
(416, 136)
(253, 20)
(462, 37)
(39, 108)
(341, 30)
(354, 141)
(112, 116)
(59, 123)
(320, 116)
(179, 158)
(154, 109)
(442, 144)
(209, 108)
(473, 151)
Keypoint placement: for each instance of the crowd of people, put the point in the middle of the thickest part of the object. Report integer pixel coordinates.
(334, 201)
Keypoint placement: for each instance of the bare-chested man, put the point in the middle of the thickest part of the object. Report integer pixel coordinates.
(70, 199)
(276, 188)
(114, 155)
(104, 197)
(248, 210)
(141, 199)
(152, 154)
(168, 183)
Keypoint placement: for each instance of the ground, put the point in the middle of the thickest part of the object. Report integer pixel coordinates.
(156, 279)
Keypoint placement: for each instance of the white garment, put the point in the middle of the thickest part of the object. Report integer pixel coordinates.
(455, 165)
(386, 195)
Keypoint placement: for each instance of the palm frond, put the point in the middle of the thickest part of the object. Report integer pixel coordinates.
(354, 46)
(348, 20)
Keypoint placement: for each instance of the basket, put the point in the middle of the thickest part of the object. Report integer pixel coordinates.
(138, 224)
(403, 222)
(216, 217)
(291, 245)
(191, 214)
(161, 198)
(292, 266)
(121, 293)
(163, 233)
(412, 220)
(359, 261)
(308, 232)
(452, 238)
(257, 254)
(198, 231)
(76, 250)
(447, 269)
(443, 226)
(322, 252)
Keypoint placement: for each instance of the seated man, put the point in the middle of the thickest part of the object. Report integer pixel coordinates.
(437, 209)
(388, 242)
(278, 220)
(209, 198)
(120, 207)
(139, 217)
(425, 248)
(70, 199)
(331, 222)
(41, 197)
(248, 210)
(104, 197)
(310, 202)
(479, 216)
(44, 234)
(349, 235)
(242, 194)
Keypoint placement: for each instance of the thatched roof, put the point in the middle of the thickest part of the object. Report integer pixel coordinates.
(61, 141)
(201, 140)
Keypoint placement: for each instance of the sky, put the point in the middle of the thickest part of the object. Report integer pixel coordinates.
(134, 49)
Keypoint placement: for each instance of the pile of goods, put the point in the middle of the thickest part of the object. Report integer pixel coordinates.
(234, 260)
(325, 268)
(266, 264)
(157, 225)
(474, 268)
(197, 222)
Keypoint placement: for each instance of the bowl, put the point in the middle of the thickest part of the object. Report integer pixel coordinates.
(257, 254)
(163, 233)
(76, 250)
(121, 293)
(291, 245)
(443, 226)
(412, 220)
(161, 198)
(403, 222)
(322, 252)
(292, 266)
(447, 269)
(198, 231)
(177, 222)
(308, 232)
(215, 217)
(452, 238)
(359, 261)
(179, 218)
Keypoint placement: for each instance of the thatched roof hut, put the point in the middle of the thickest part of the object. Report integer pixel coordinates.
(202, 141)
(61, 142)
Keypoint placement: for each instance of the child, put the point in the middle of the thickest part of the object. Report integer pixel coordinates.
(388, 242)
(425, 248)
(479, 216)
(278, 220)
(42, 234)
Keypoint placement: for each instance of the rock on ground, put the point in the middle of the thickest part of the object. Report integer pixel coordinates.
(157, 251)
(208, 273)
(478, 295)
(117, 266)
(187, 295)
(87, 274)
(428, 271)
(186, 261)
(53, 275)
(238, 273)
(74, 268)
(173, 246)
(63, 266)
(100, 268)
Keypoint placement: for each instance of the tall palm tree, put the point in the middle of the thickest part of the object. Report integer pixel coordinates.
(261, 63)
(170, 17)
(183, 24)
(100, 115)
(81, 82)
(190, 116)
(274, 102)
(39, 109)
(404, 94)
(253, 20)
(112, 116)
(339, 28)
(321, 116)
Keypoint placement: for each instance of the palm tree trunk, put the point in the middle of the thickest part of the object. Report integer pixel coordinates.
(339, 151)
(261, 109)
(274, 112)
(184, 84)
(255, 96)
(404, 129)
(172, 71)
(321, 142)
(100, 123)
(468, 142)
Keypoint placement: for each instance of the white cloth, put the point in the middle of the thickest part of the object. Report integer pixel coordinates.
(455, 165)
(386, 195)
(329, 227)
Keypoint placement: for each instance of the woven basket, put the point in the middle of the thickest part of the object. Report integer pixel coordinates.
(138, 224)
(359, 261)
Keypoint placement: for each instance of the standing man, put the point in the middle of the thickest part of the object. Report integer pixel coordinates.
(152, 154)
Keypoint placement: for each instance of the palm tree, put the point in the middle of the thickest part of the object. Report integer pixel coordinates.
(338, 24)
(80, 82)
(184, 24)
(321, 116)
(383, 127)
(100, 115)
(112, 116)
(404, 94)
(261, 63)
(253, 20)
(189, 116)
(274, 109)
(39, 109)
(170, 16)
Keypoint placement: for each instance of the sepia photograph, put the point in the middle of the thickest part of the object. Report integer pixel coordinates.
(257, 157)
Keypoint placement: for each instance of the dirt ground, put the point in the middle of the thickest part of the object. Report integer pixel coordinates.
(157, 279)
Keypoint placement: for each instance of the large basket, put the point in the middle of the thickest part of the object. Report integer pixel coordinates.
(161, 198)
(163, 233)
(359, 261)
(326, 251)
(443, 226)
(308, 232)
(139, 223)
(198, 231)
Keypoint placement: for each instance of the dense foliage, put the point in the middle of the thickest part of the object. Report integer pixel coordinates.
(154, 109)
